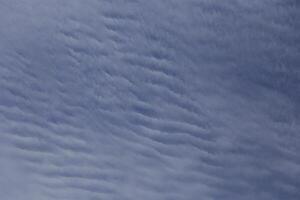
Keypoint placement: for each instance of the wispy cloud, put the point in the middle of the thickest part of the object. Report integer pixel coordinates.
(131, 99)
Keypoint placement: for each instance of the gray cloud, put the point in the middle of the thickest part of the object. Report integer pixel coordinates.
(131, 99)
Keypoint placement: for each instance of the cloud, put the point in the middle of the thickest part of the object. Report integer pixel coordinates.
(149, 100)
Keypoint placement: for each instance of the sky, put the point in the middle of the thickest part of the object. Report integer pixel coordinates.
(152, 100)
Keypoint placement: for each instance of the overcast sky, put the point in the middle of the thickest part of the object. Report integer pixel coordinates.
(149, 100)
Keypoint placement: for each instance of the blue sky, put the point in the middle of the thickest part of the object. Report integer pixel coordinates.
(164, 100)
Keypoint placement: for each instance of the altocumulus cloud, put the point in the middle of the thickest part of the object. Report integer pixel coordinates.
(164, 100)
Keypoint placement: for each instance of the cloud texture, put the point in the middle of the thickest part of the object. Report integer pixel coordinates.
(152, 100)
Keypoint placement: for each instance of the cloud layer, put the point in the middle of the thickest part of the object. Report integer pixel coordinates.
(165, 100)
